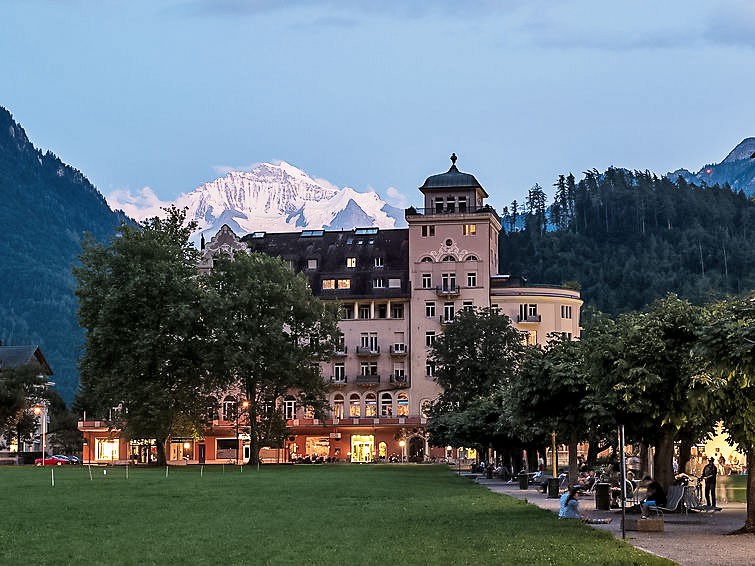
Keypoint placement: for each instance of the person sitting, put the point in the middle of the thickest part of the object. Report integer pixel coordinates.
(655, 496)
(586, 482)
(569, 504)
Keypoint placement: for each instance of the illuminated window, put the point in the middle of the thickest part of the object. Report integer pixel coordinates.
(425, 408)
(351, 262)
(344, 283)
(386, 405)
(355, 406)
(470, 229)
(531, 338)
(338, 406)
(370, 405)
(328, 283)
(403, 405)
(430, 308)
(378, 262)
(378, 283)
(106, 449)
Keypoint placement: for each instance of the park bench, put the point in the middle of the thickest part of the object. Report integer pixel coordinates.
(673, 500)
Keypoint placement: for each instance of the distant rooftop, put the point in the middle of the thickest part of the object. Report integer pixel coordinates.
(452, 179)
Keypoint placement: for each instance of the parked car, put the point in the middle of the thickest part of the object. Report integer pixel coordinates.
(52, 461)
(74, 460)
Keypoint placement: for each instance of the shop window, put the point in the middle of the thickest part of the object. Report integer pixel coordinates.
(386, 405)
(355, 405)
(370, 405)
(403, 405)
(106, 449)
(338, 406)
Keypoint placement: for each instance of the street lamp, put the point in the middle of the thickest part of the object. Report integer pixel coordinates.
(402, 443)
(244, 405)
(41, 410)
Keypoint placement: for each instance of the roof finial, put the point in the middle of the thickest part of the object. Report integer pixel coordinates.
(453, 158)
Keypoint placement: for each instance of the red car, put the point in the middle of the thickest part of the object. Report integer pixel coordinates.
(52, 461)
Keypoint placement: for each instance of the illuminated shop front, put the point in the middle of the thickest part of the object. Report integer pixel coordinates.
(106, 449)
(318, 445)
(143, 451)
(362, 448)
(182, 449)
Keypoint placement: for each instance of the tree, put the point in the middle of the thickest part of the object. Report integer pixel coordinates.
(139, 302)
(268, 336)
(727, 342)
(478, 353)
(20, 389)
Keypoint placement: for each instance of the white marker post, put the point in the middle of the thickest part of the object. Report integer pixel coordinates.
(52, 476)
(166, 472)
(126, 471)
(90, 471)
(201, 472)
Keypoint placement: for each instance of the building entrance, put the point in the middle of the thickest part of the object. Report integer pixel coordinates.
(362, 448)
(416, 449)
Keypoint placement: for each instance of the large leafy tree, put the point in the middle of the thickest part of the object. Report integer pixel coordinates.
(20, 389)
(139, 302)
(478, 353)
(269, 334)
(727, 341)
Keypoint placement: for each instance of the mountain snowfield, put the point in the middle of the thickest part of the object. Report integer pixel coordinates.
(277, 198)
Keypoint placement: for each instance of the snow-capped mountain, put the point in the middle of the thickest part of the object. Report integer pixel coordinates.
(282, 198)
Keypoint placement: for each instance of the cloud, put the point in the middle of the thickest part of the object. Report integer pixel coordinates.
(225, 169)
(395, 197)
(732, 23)
(140, 205)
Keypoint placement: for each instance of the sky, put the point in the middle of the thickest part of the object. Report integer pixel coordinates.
(170, 94)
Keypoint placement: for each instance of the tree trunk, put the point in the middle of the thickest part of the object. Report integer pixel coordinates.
(592, 452)
(750, 520)
(663, 463)
(685, 453)
(573, 470)
(644, 468)
(161, 459)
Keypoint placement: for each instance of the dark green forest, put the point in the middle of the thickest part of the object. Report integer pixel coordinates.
(45, 208)
(627, 238)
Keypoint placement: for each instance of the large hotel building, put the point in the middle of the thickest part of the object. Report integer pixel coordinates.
(398, 289)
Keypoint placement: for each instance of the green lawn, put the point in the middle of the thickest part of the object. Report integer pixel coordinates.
(731, 489)
(285, 515)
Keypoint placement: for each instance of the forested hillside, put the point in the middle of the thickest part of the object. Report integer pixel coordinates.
(628, 238)
(45, 208)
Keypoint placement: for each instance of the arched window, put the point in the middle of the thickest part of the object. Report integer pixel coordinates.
(229, 408)
(448, 258)
(355, 405)
(338, 406)
(426, 259)
(425, 407)
(471, 258)
(370, 405)
(403, 405)
(386, 405)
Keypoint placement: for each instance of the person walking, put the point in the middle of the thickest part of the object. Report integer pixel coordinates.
(709, 475)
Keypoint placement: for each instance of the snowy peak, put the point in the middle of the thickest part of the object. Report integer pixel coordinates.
(744, 150)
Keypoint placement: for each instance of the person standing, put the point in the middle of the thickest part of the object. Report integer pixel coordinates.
(709, 475)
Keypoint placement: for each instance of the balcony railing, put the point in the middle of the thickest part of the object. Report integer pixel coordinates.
(368, 379)
(446, 320)
(446, 211)
(398, 349)
(338, 379)
(368, 350)
(399, 379)
(528, 318)
(341, 351)
(447, 291)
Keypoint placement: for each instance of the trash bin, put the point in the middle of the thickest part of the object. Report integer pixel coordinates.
(603, 496)
(523, 481)
(553, 491)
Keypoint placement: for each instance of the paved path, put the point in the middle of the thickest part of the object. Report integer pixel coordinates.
(694, 540)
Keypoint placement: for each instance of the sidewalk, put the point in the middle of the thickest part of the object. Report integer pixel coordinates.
(692, 540)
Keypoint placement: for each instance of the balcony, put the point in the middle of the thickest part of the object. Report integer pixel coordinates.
(341, 351)
(528, 318)
(447, 291)
(398, 350)
(445, 320)
(399, 379)
(338, 379)
(368, 351)
(461, 210)
(368, 380)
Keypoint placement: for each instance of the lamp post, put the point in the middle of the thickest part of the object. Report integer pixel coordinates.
(244, 405)
(402, 443)
(42, 410)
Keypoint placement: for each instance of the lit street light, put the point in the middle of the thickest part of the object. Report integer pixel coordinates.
(42, 410)
(402, 443)
(244, 406)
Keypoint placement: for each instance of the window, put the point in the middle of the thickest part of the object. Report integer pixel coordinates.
(462, 204)
(378, 283)
(364, 311)
(386, 405)
(351, 262)
(428, 230)
(448, 312)
(348, 311)
(338, 406)
(365, 231)
(425, 407)
(565, 311)
(370, 405)
(472, 279)
(449, 281)
(339, 372)
(429, 338)
(229, 408)
(328, 283)
(449, 242)
(439, 204)
(291, 265)
(566, 335)
(430, 369)
(426, 259)
(531, 338)
(528, 312)
(355, 405)
(382, 310)
(430, 308)
(470, 229)
(311, 233)
(403, 405)
(311, 264)
(369, 340)
(394, 283)
(344, 283)
(368, 368)
(467, 305)
(397, 311)
(451, 204)
(427, 281)
(106, 449)
(378, 262)
(448, 258)
(471, 258)
(289, 409)
(258, 235)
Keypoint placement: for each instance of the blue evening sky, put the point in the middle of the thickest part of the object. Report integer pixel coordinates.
(166, 94)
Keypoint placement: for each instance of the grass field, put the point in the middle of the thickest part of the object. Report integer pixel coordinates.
(285, 515)
(731, 489)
